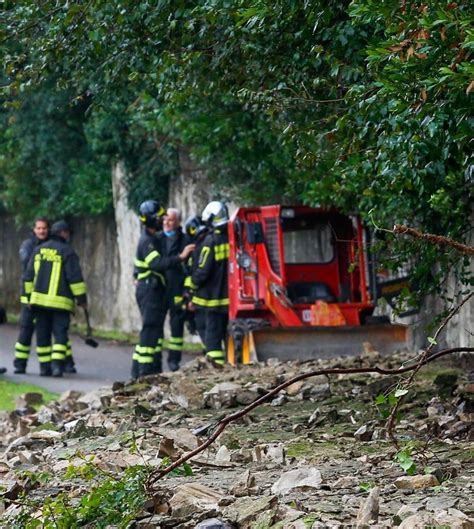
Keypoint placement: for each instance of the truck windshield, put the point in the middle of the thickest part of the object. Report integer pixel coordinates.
(307, 242)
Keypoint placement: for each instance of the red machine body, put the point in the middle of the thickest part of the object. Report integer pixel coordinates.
(306, 253)
(299, 269)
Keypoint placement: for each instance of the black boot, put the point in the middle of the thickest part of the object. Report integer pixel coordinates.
(145, 369)
(57, 368)
(134, 372)
(45, 369)
(156, 366)
(69, 365)
(19, 366)
(174, 359)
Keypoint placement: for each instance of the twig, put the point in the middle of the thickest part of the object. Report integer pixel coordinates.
(436, 239)
(421, 361)
(223, 423)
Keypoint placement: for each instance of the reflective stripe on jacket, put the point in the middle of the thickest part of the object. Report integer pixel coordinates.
(149, 261)
(53, 277)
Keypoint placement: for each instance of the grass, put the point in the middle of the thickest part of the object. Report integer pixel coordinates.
(10, 390)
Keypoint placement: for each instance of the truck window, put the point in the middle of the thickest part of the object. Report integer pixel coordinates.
(307, 242)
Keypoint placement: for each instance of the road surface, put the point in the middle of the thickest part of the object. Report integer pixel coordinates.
(111, 361)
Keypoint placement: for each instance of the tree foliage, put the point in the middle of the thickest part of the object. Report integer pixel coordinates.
(365, 105)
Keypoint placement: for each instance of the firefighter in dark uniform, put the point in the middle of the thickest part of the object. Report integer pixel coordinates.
(52, 282)
(27, 325)
(196, 232)
(210, 277)
(173, 242)
(149, 272)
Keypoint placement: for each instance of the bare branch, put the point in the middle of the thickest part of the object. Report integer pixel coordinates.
(436, 239)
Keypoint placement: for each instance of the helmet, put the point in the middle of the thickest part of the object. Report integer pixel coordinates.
(215, 214)
(151, 213)
(194, 226)
(59, 226)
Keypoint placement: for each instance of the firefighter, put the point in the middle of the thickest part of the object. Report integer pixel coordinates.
(150, 268)
(52, 281)
(173, 241)
(210, 277)
(27, 325)
(196, 231)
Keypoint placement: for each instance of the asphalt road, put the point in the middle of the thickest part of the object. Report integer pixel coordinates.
(111, 361)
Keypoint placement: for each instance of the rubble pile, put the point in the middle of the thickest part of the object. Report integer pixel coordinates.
(317, 455)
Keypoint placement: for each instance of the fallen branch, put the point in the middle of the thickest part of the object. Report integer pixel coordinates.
(220, 426)
(435, 239)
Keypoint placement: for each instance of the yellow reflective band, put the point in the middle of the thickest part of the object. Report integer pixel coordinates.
(28, 287)
(54, 278)
(210, 302)
(178, 339)
(216, 356)
(135, 356)
(52, 302)
(145, 360)
(78, 289)
(57, 355)
(24, 299)
(178, 299)
(22, 356)
(43, 359)
(44, 349)
(151, 256)
(144, 350)
(149, 273)
(59, 347)
(158, 349)
(175, 347)
(203, 256)
(20, 347)
(140, 264)
(221, 251)
(37, 262)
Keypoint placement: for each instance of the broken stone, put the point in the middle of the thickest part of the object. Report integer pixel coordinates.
(70, 395)
(28, 457)
(223, 395)
(223, 455)
(46, 414)
(308, 477)
(416, 482)
(29, 399)
(369, 510)
(45, 435)
(244, 511)
(193, 497)
(438, 519)
(279, 400)
(274, 453)
(245, 486)
(295, 388)
(187, 395)
(363, 433)
(212, 523)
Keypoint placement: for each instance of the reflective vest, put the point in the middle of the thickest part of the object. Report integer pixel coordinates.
(53, 278)
(210, 276)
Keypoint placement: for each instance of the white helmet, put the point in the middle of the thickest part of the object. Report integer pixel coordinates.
(215, 214)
